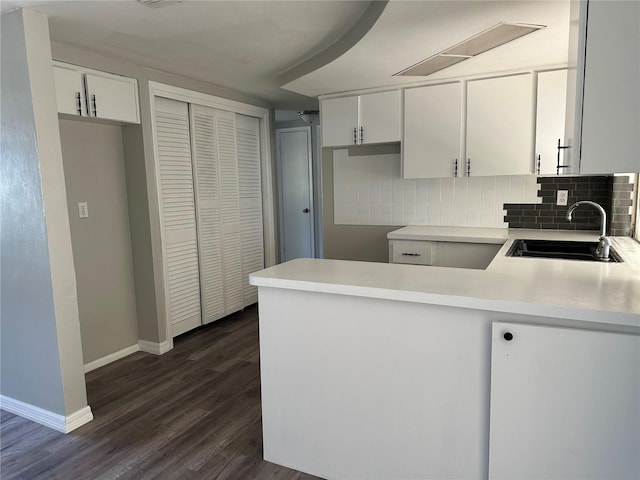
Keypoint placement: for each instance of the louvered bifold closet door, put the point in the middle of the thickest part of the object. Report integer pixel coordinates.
(251, 233)
(207, 185)
(177, 214)
(230, 210)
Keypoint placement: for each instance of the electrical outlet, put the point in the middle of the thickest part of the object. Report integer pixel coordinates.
(563, 195)
(83, 210)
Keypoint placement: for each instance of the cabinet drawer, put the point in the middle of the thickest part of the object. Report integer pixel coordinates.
(417, 253)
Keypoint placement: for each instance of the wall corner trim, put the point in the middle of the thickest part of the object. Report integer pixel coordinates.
(107, 359)
(61, 423)
(153, 347)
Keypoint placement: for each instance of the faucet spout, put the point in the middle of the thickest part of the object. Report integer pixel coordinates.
(604, 245)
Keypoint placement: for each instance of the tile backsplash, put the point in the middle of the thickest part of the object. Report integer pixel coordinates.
(614, 193)
(369, 190)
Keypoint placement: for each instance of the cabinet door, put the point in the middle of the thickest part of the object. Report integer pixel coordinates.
(431, 144)
(69, 89)
(380, 118)
(112, 97)
(550, 120)
(565, 403)
(339, 120)
(499, 125)
(177, 214)
(250, 188)
(611, 102)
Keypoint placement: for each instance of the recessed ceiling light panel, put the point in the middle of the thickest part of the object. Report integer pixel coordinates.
(480, 43)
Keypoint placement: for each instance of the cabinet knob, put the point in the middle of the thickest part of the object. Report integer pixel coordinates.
(305, 210)
(508, 336)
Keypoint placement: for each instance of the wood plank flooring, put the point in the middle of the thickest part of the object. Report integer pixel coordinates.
(192, 413)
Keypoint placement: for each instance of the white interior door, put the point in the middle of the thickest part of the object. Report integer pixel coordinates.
(296, 201)
(177, 214)
(565, 403)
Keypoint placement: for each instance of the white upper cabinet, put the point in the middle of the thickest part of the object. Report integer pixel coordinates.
(380, 117)
(359, 120)
(70, 94)
(90, 93)
(339, 121)
(432, 127)
(550, 121)
(611, 98)
(112, 97)
(499, 126)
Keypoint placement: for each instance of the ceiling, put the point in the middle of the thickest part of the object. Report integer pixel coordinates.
(243, 45)
(408, 32)
(277, 50)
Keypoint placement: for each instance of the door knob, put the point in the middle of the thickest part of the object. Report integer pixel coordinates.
(305, 210)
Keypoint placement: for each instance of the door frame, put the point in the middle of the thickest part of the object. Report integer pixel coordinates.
(157, 89)
(312, 210)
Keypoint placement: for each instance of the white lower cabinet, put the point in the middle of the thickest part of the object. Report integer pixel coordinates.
(565, 403)
(208, 163)
(443, 254)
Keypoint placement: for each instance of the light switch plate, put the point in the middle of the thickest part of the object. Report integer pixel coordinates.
(83, 210)
(563, 195)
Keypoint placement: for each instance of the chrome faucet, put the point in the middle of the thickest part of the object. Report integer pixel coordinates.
(604, 244)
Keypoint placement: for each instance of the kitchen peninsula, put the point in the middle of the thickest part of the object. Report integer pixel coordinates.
(378, 371)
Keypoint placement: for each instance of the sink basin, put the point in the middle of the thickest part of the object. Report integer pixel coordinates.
(565, 250)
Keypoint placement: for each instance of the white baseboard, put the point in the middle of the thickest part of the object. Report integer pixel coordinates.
(101, 362)
(61, 423)
(153, 347)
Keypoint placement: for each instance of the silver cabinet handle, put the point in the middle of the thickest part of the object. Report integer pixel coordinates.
(79, 103)
(410, 254)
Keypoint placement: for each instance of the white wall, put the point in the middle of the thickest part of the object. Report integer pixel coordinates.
(369, 190)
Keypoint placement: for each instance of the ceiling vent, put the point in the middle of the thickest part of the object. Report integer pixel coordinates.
(480, 43)
(159, 3)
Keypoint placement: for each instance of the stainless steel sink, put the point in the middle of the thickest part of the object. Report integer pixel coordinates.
(566, 250)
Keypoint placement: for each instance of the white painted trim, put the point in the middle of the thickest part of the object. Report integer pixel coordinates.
(107, 359)
(153, 347)
(61, 423)
(266, 167)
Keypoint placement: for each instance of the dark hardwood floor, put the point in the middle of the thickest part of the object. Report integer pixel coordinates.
(192, 413)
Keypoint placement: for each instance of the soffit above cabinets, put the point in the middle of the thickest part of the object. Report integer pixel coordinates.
(407, 33)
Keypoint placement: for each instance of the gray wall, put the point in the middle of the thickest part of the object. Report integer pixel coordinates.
(41, 357)
(95, 173)
(367, 243)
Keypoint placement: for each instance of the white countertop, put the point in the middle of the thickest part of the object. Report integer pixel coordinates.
(607, 293)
